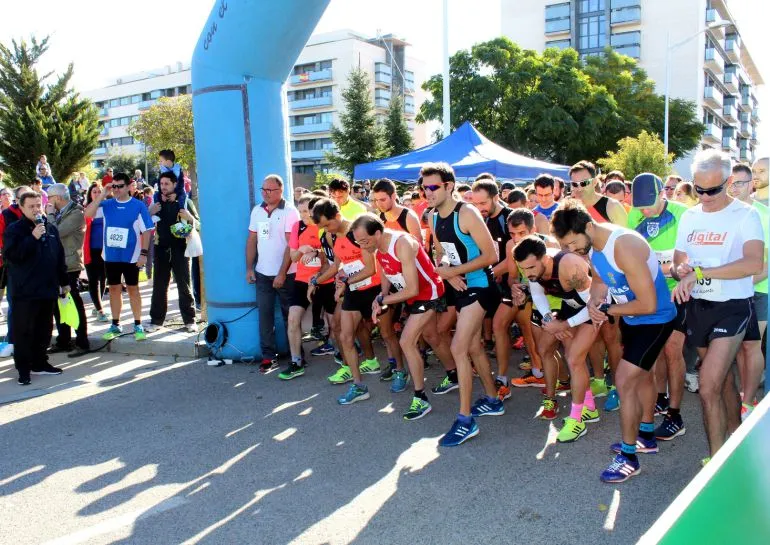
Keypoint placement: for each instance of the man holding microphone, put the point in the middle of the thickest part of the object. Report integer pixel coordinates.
(37, 275)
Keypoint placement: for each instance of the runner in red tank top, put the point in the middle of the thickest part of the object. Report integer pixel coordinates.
(407, 276)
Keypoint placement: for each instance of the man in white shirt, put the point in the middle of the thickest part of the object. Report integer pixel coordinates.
(719, 247)
(268, 247)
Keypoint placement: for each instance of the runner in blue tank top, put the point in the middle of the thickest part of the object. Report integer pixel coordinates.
(624, 265)
(465, 253)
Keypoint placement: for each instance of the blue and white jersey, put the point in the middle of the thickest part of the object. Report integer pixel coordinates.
(124, 222)
(604, 264)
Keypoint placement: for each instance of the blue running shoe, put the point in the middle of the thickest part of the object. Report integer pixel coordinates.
(400, 380)
(112, 333)
(621, 469)
(670, 428)
(643, 446)
(459, 433)
(487, 407)
(322, 350)
(355, 393)
(612, 403)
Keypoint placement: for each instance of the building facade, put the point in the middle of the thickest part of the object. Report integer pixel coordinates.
(711, 66)
(313, 91)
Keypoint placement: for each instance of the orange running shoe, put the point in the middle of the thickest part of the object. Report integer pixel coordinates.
(528, 380)
(503, 391)
(519, 343)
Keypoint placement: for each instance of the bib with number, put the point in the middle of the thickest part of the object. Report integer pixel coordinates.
(117, 237)
(263, 230)
(450, 250)
(708, 287)
(664, 257)
(354, 267)
(315, 262)
(397, 281)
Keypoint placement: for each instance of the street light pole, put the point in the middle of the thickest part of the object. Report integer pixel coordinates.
(445, 110)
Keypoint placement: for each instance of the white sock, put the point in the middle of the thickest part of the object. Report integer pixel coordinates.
(537, 372)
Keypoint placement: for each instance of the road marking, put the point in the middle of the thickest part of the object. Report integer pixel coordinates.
(612, 512)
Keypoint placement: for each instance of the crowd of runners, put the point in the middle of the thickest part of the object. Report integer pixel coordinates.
(602, 281)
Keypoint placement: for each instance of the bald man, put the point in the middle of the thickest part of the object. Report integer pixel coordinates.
(759, 173)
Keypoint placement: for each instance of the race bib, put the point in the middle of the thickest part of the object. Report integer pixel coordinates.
(314, 263)
(425, 235)
(618, 295)
(263, 230)
(665, 257)
(450, 250)
(354, 268)
(117, 237)
(708, 287)
(397, 281)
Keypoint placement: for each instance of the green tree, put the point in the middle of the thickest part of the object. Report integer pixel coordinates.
(39, 118)
(553, 105)
(123, 162)
(359, 137)
(398, 139)
(324, 178)
(168, 124)
(644, 153)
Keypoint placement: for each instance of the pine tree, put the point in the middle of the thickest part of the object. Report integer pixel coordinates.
(39, 118)
(359, 138)
(398, 140)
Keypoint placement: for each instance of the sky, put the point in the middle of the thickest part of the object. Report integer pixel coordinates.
(107, 39)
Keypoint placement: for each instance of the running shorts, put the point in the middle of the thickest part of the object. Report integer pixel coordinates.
(323, 294)
(119, 270)
(360, 301)
(709, 320)
(642, 343)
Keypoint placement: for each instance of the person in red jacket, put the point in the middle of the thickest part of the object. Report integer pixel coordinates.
(107, 179)
(9, 215)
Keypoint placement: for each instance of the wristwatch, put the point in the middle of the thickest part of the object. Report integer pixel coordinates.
(314, 281)
(380, 298)
(547, 318)
(605, 308)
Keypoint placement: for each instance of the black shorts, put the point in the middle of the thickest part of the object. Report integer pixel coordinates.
(752, 329)
(421, 307)
(360, 301)
(119, 270)
(709, 320)
(680, 322)
(642, 343)
(488, 298)
(760, 306)
(324, 294)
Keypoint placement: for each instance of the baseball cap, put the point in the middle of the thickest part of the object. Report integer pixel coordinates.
(645, 189)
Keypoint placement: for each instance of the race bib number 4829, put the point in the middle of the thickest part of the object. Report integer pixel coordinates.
(117, 237)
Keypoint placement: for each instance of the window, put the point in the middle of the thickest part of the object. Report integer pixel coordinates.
(559, 44)
(136, 99)
(114, 102)
(381, 93)
(156, 94)
(627, 43)
(557, 18)
(124, 121)
(125, 101)
(115, 122)
(591, 32)
(587, 6)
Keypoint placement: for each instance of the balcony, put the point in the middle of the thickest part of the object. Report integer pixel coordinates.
(714, 61)
(712, 97)
(747, 103)
(308, 77)
(99, 151)
(744, 154)
(712, 134)
(381, 78)
(307, 103)
(409, 87)
(104, 131)
(310, 128)
(382, 102)
(712, 16)
(146, 104)
(630, 15)
(754, 137)
(733, 47)
(745, 129)
(729, 112)
(409, 109)
(755, 115)
(731, 82)
(730, 145)
(310, 154)
(104, 112)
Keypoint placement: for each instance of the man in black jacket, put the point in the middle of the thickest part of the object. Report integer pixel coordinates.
(37, 275)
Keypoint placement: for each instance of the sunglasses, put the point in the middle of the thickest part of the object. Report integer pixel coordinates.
(584, 183)
(121, 186)
(432, 188)
(710, 192)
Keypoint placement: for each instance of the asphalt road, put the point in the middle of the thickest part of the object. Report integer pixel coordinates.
(156, 451)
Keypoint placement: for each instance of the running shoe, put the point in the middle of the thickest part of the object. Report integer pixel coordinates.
(518, 344)
(746, 411)
(266, 365)
(417, 409)
(525, 365)
(139, 333)
(151, 328)
(338, 359)
(691, 382)
(588, 415)
(342, 375)
(703, 462)
(387, 374)
(560, 387)
(670, 428)
(47, 369)
(370, 367)
(355, 393)
(503, 391)
(292, 371)
(446, 386)
(375, 332)
(549, 409)
(528, 380)
(643, 446)
(621, 469)
(599, 387)
(315, 334)
(102, 317)
(485, 407)
(400, 380)
(661, 408)
(612, 403)
(323, 350)
(459, 433)
(112, 333)
(571, 431)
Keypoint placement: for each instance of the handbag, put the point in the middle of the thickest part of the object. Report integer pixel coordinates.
(194, 244)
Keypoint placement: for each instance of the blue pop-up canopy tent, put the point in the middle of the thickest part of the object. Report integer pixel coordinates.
(469, 152)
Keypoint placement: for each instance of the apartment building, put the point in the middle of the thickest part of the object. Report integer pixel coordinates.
(314, 94)
(710, 64)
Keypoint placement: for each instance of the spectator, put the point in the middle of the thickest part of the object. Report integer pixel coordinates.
(107, 179)
(168, 164)
(92, 256)
(37, 187)
(268, 247)
(6, 202)
(169, 256)
(37, 274)
(126, 241)
(138, 179)
(6, 198)
(670, 186)
(298, 192)
(42, 162)
(9, 215)
(45, 177)
(67, 216)
(505, 187)
(685, 194)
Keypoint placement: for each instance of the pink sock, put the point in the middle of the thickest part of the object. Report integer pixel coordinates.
(589, 400)
(576, 411)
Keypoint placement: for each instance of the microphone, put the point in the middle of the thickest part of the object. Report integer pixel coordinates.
(41, 219)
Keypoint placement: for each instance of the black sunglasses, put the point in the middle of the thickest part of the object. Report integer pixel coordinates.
(584, 183)
(121, 186)
(432, 188)
(710, 192)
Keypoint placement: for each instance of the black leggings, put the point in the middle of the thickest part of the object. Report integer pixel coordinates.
(97, 277)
